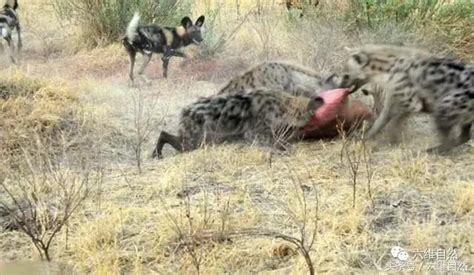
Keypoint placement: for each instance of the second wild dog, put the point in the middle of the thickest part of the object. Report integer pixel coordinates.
(149, 39)
(8, 22)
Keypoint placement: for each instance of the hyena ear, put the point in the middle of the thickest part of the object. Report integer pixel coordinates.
(361, 58)
(349, 50)
(186, 22)
(15, 5)
(200, 21)
(333, 80)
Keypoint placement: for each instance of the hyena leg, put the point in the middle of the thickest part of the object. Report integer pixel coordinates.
(384, 118)
(465, 134)
(397, 127)
(163, 139)
(446, 142)
(18, 31)
(446, 121)
(445, 124)
(147, 59)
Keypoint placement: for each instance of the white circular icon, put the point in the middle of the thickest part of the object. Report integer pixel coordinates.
(403, 255)
(400, 253)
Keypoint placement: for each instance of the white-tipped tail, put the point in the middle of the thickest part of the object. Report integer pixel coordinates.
(132, 27)
(3, 30)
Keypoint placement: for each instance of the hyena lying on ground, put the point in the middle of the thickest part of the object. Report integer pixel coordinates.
(165, 40)
(266, 116)
(415, 81)
(8, 22)
(298, 80)
(294, 79)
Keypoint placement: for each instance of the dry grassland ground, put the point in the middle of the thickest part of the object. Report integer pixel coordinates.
(213, 207)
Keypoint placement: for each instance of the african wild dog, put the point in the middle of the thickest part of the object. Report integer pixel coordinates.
(165, 40)
(417, 81)
(266, 116)
(300, 5)
(294, 79)
(8, 22)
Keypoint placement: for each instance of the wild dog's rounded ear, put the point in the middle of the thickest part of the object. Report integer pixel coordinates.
(200, 21)
(186, 22)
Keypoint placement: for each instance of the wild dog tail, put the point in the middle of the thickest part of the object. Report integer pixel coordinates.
(3, 31)
(132, 27)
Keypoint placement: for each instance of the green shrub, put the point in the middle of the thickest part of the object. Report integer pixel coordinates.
(449, 23)
(105, 21)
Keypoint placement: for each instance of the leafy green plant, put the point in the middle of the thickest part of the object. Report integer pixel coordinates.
(104, 21)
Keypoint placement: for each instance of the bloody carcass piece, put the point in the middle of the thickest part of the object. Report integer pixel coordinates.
(338, 113)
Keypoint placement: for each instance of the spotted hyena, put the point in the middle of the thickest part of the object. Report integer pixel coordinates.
(293, 79)
(266, 116)
(417, 81)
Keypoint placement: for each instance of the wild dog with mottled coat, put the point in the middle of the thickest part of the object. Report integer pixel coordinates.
(8, 22)
(149, 39)
(417, 81)
(301, 5)
(266, 116)
(294, 79)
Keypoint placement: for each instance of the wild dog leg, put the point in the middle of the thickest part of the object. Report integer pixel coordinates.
(18, 30)
(147, 59)
(10, 48)
(163, 139)
(166, 59)
(132, 55)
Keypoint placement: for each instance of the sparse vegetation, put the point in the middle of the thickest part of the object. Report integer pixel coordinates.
(104, 22)
(72, 134)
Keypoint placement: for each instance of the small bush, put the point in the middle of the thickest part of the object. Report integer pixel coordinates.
(450, 22)
(105, 21)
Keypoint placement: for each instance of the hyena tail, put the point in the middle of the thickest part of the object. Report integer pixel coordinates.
(132, 27)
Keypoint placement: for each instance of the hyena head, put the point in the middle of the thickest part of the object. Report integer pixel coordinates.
(373, 62)
(190, 31)
(301, 109)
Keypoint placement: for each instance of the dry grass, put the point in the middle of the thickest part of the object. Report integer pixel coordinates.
(213, 200)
